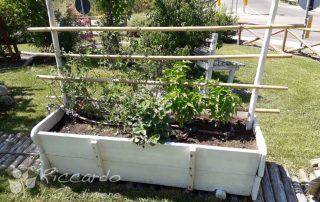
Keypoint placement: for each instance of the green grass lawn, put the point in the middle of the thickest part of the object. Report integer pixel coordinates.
(292, 136)
(29, 48)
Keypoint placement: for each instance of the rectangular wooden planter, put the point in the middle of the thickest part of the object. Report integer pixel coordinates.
(192, 166)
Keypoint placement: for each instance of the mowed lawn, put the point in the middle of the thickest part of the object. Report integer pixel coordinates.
(292, 136)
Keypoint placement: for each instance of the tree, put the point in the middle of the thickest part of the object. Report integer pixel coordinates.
(19, 15)
(117, 12)
(168, 13)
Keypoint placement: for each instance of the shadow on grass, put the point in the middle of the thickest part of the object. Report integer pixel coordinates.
(17, 118)
(135, 192)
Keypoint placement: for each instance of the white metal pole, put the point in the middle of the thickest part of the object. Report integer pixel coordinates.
(55, 41)
(262, 62)
(244, 7)
(82, 8)
(232, 6)
(237, 1)
(305, 21)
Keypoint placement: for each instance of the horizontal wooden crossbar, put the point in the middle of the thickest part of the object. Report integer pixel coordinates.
(262, 110)
(309, 29)
(148, 82)
(258, 110)
(163, 29)
(163, 57)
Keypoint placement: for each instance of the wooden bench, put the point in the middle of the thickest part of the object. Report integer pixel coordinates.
(216, 65)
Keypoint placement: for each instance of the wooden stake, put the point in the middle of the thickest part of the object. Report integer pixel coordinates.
(162, 57)
(261, 64)
(309, 29)
(239, 36)
(285, 36)
(148, 82)
(260, 110)
(163, 29)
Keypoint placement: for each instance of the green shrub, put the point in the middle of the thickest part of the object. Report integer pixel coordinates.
(68, 40)
(19, 15)
(138, 20)
(182, 13)
(141, 5)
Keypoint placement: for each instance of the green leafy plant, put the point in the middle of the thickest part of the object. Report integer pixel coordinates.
(153, 124)
(221, 103)
(183, 101)
(186, 102)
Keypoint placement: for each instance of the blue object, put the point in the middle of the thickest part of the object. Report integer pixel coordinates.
(83, 6)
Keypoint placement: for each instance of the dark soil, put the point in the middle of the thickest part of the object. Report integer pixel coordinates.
(200, 131)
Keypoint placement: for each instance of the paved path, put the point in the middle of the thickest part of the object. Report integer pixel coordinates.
(17, 152)
(258, 10)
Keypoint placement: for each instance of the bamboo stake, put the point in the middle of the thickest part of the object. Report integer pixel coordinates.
(164, 57)
(309, 29)
(260, 38)
(304, 43)
(285, 36)
(163, 29)
(303, 47)
(262, 110)
(261, 64)
(148, 82)
(239, 36)
(258, 110)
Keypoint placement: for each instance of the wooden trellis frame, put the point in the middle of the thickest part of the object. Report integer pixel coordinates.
(54, 29)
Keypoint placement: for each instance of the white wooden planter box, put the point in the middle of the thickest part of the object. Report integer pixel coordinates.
(200, 167)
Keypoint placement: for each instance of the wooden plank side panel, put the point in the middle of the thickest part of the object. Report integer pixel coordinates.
(159, 155)
(67, 146)
(115, 150)
(240, 162)
(238, 184)
(152, 174)
(71, 165)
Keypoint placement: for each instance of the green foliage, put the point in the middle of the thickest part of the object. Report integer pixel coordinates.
(111, 42)
(117, 12)
(182, 101)
(186, 102)
(80, 98)
(221, 103)
(153, 124)
(141, 5)
(138, 20)
(19, 15)
(68, 40)
(182, 13)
